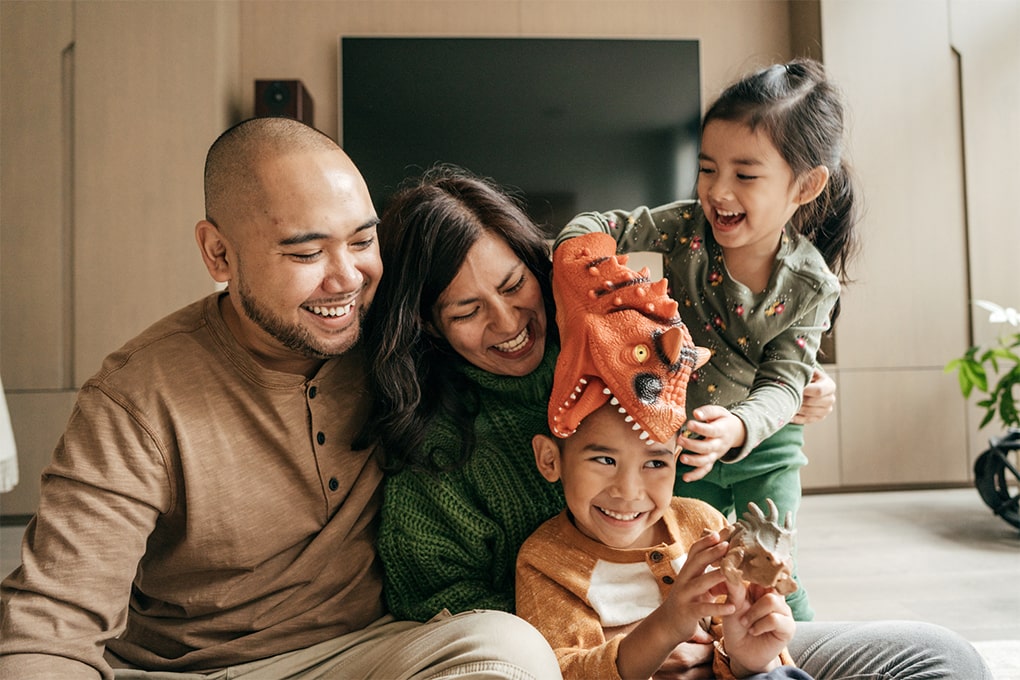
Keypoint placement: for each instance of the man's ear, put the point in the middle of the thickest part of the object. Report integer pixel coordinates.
(812, 183)
(214, 250)
(547, 456)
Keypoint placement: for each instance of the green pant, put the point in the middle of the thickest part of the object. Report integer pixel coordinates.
(772, 470)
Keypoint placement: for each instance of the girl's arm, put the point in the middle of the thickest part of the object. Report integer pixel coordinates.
(434, 549)
(640, 230)
(785, 370)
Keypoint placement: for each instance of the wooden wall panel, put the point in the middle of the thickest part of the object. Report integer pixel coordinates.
(99, 208)
(901, 427)
(35, 319)
(152, 94)
(907, 306)
(987, 37)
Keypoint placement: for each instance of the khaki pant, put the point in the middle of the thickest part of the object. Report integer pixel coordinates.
(481, 644)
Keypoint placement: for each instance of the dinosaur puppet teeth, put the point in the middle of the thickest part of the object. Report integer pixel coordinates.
(621, 339)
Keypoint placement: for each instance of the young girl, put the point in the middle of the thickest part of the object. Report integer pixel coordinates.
(756, 265)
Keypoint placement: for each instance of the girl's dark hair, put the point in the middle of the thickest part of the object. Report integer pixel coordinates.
(803, 115)
(425, 233)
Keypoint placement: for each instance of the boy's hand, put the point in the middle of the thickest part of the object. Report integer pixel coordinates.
(758, 630)
(707, 437)
(692, 597)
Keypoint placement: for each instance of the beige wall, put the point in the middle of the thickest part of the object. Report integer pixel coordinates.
(108, 108)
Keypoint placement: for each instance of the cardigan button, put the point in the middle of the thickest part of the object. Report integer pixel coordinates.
(333, 484)
(656, 556)
(321, 438)
(668, 580)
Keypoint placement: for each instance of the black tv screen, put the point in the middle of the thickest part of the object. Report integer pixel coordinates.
(569, 124)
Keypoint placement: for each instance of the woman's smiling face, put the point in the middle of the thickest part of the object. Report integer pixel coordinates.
(493, 313)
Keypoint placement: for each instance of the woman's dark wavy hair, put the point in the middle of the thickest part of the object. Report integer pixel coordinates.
(803, 114)
(425, 233)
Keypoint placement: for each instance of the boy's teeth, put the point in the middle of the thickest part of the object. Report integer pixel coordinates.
(342, 310)
(620, 516)
(514, 344)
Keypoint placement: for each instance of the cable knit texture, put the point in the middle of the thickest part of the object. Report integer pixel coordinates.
(450, 540)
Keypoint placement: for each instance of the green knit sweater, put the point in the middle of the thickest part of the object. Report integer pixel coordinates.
(450, 540)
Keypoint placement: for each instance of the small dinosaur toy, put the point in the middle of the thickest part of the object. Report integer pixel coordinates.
(760, 550)
(622, 340)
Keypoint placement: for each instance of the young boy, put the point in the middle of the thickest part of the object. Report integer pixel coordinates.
(621, 578)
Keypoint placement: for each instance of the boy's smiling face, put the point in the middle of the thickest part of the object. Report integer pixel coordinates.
(617, 486)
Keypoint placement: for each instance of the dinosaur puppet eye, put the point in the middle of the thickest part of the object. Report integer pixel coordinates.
(641, 353)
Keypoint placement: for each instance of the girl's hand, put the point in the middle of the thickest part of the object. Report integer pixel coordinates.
(758, 630)
(707, 437)
(818, 399)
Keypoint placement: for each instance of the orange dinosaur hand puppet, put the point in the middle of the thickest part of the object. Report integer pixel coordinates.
(622, 340)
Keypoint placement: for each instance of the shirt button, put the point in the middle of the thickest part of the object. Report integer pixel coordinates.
(321, 438)
(656, 556)
(668, 580)
(333, 484)
(312, 391)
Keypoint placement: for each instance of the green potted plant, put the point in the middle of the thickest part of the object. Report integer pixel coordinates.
(995, 373)
(978, 366)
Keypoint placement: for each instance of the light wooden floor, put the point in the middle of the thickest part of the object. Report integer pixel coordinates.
(938, 556)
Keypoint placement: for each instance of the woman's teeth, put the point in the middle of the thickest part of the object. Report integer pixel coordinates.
(620, 516)
(514, 344)
(342, 310)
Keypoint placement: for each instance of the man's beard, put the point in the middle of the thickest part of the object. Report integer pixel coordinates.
(293, 337)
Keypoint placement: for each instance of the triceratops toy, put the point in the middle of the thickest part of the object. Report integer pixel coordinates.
(760, 550)
(622, 340)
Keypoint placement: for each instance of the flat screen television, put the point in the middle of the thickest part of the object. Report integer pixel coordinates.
(568, 124)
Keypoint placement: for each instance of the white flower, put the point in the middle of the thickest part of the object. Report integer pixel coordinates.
(999, 314)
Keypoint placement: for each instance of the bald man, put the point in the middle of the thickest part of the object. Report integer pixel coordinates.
(205, 514)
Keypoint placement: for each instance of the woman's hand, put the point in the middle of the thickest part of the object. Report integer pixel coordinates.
(707, 437)
(818, 400)
(759, 629)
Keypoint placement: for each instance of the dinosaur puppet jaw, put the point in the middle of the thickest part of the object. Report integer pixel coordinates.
(622, 342)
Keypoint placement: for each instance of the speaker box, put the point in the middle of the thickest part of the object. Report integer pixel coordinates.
(287, 98)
